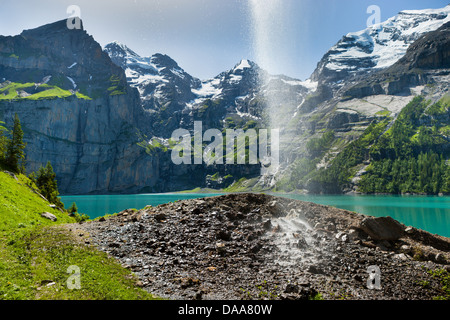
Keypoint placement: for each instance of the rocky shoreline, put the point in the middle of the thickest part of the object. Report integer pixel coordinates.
(256, 246)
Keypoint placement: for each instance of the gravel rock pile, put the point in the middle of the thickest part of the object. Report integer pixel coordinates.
(256, 246)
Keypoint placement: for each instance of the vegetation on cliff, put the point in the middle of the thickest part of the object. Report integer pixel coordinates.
(405, 155)
(33, 91)
(411, 156)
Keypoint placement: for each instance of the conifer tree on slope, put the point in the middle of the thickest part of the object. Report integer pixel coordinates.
(15, 155)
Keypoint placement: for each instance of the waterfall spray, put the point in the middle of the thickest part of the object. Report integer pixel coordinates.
(268, 32)
(269, 37)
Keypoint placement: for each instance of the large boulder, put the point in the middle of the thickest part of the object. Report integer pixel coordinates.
(382, 228)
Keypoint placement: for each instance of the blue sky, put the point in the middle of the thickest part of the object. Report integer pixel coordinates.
(207, 37)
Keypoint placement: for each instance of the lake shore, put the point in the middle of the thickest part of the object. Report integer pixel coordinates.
(255, 246)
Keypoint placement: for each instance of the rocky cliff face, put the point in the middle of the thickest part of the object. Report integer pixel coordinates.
(70, 59)
(90, 142)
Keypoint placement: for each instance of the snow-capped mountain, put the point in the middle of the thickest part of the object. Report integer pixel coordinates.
(168, 91)
(153, 75)
(158, 78)
(378, 46)
(220, 86)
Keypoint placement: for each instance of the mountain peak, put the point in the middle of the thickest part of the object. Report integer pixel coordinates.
(244, 64)
(54, 27)
(117, 48)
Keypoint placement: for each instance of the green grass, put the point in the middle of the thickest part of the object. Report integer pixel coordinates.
(444, 278)
(10, 92)
(441, 107)
(243, 185)
(384, 113)
(21, 208)
(116, 87)
(35, 253)
(82, 96)
(35, 266)
(52, 93)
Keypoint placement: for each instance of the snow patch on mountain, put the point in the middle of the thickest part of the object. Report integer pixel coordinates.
(380, 46)
(73, 82)
(244, 64)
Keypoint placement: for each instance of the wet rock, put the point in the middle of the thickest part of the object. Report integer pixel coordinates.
(315, 269)
(160, 217)
(291, 288)
(267, 225)
(301, 243)
(256, 248)
(401, 257)
(223, 235)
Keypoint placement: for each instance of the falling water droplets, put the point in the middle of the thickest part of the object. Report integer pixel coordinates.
(292, 236)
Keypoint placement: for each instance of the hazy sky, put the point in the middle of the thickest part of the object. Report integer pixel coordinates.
(207, 37)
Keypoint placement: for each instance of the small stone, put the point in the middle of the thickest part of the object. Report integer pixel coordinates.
(352, 235)
(401, 257)
(344, 238)
(256, 248)
(405, 248)
(267, 225)
(301, 243)
(315, 270)
(318, 225)
(139, 284)
(223, 235)
(439, 258)
(160, 217)
(198, 295)
(409, 230)
(339, 234)
(220, 247)
(49, 216)
(358, 277)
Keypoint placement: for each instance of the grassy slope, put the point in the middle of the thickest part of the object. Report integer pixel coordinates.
(10, 92)
(35, 253)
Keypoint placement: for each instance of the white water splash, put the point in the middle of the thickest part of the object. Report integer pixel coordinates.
(292, 236)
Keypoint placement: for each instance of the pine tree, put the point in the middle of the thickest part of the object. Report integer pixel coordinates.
(15, 155)
(3, 143)
(73, 208)
(46, 182)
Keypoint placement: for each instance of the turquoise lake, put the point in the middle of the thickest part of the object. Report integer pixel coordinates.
(424, 212)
